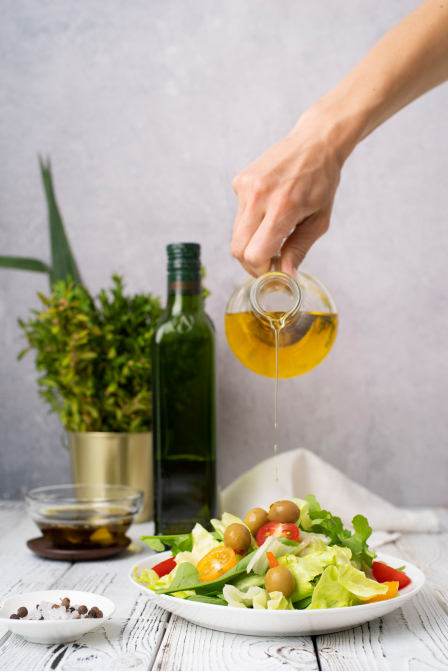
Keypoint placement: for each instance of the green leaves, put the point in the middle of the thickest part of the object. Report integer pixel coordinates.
(64, 265)
(74, 337)
(177, 542)
(63, 262)
(24, 264)
(207, 599)
(324, 523)
(186, 574)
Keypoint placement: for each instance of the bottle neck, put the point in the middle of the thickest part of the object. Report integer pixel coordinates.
(184, 296)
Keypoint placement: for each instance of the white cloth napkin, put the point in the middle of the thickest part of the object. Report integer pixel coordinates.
(300, 473)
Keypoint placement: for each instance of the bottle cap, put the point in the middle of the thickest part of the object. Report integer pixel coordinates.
(184, 267)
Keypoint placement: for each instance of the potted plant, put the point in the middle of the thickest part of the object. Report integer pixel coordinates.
(94, 358)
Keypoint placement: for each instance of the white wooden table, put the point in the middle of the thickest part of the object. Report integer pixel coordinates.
(142, 636)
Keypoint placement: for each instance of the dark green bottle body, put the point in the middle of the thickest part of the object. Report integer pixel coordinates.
(183, 353)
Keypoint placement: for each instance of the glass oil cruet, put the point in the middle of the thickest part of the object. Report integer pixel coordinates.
(300, 313)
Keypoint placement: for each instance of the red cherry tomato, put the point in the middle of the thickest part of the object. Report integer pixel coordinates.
(287, 530)
(383, 573)
(165, 567)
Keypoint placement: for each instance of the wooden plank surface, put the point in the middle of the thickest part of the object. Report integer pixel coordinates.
(190, 647)
(141, 636)
(413, 638)
(128, 641)
(21, 570)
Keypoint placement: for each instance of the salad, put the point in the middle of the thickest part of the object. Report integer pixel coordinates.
(292, 555)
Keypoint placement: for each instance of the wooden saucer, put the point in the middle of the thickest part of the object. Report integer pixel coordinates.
(45, 549)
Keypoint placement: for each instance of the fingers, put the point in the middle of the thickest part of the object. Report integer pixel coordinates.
(268, 239)
(237, 245)
(245, 227)
(301, 239)
(251, 212)
(258, 234)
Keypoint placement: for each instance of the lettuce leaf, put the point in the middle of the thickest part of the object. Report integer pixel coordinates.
(203, 543)
(312, 543)
(260, 563)
(278, 601)
(304, 570)
(358, 584)
(305, 521)
(255, 597)
(344, 587)
(330, 594)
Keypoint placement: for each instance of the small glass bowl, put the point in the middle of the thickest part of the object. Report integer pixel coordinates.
(84, 516)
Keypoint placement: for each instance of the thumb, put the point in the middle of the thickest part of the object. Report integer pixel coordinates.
(300, 241)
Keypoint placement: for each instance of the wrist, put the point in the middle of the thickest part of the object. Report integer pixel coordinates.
(341, 120)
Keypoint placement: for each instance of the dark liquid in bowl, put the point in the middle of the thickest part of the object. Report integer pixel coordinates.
(86, 529)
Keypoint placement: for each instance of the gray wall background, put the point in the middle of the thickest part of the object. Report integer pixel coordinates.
(148, 109)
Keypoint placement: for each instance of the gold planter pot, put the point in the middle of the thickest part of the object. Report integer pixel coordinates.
(114, 458)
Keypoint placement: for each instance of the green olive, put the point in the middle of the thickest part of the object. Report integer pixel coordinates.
(255, 519)
(237, 536)
(284, 512)
(280, 578)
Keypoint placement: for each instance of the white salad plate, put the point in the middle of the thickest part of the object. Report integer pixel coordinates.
(54, 632)
(269, 623)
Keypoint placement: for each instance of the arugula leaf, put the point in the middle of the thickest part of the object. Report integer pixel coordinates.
(207, 600)
(178, 542)
(324, 523)
(357, 542)
(400, 569)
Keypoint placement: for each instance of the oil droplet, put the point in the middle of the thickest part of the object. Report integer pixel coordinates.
(275, 449)
(276, 474)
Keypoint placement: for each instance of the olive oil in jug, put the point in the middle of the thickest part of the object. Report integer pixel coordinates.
(302, 315)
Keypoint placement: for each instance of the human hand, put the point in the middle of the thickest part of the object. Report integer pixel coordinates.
(287, 195)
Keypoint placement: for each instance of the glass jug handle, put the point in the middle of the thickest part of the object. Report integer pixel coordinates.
(276, 262)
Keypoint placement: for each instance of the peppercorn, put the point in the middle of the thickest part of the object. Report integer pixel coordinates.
(55, 606)
(92, 613)
(82, 609)
(22, 612)
(41, 618)
(14, 616)
(65, 602)
(99, 613)
(77, 616)
(72, 609)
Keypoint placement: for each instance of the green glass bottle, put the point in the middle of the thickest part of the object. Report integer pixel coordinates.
(183, 350)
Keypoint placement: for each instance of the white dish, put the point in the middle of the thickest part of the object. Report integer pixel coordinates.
(54, 632)
(280, 623)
